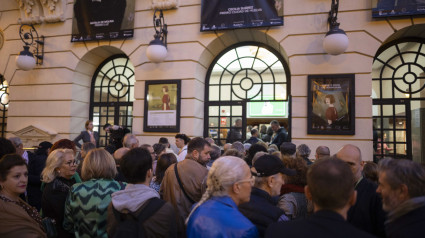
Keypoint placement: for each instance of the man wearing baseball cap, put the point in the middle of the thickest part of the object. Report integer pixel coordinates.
(268, 171)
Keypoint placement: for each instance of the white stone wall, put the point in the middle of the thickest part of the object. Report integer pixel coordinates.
(55, 96)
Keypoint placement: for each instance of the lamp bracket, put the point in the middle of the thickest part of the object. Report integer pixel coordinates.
(160, 27)
(333, 15)
(31, 39)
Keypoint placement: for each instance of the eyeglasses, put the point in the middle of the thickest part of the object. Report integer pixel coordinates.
(251, 180)
(72, 162)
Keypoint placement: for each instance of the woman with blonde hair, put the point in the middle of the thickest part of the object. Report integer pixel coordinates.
(58, 178)
(87, 202)
(229, 184)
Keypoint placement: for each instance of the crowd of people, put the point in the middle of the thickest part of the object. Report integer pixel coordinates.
(195, 188)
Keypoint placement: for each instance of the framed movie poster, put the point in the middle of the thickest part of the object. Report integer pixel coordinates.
(391, 8)
(222, 15)
(331, 105)
(162, 106)
(102, 20)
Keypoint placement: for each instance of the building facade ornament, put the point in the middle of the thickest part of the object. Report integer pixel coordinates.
(32, 136)
(38, 11)
(54, 10)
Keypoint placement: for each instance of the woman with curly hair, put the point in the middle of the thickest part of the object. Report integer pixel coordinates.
(58, 178)
(293, 200)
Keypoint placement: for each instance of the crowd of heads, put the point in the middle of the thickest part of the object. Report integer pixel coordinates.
(233, 169)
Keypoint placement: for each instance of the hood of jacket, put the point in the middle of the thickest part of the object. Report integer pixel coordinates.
(132, 197)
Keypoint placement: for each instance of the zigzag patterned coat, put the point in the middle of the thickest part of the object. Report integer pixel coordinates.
(86, 207)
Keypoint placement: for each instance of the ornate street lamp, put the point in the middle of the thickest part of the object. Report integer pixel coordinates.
(157, 49)
(336, 41)
(25, 60)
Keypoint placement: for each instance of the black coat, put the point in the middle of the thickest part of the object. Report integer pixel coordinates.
(36, 164)
(280, 137)
(367, 213)
(326, 224)
(261, 210)
(53, 202)
(411, 225)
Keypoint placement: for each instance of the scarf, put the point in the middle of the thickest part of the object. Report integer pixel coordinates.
(405, 207)
(32, 212)
(289, 188)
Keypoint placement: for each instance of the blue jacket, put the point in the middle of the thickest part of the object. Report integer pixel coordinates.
(219, 217)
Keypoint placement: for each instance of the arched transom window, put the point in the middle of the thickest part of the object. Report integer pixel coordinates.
(247, 85)
(112, 94)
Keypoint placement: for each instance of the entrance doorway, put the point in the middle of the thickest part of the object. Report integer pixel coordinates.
(398, 91)
(247, 85)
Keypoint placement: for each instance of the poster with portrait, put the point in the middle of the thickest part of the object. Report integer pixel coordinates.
(331, 104)
(392, 8)
(222, 15)
(162, 106)
(102, 20)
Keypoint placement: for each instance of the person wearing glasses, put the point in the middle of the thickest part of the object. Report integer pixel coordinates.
(58, 178)
(229, 184)
(262, 209)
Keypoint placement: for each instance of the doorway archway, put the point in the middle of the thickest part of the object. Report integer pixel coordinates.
(248, 84)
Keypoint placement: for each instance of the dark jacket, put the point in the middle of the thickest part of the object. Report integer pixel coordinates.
(234, 134)
(323, 223)
(261, 210)
(280, 137)
(36, 164)
(252, 140)
(85, 136)
(411, 225)
(367, 213)
(160, 224)
(53, 202)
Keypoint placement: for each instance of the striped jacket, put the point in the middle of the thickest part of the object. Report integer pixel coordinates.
(86, 207)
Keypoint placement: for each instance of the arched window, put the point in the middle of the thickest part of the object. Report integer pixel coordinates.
(246, 85)
(112, 95)
(4, 104)
(399, 100)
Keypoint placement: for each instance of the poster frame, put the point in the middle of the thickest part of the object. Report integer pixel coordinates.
(174, 126)
(318, 86)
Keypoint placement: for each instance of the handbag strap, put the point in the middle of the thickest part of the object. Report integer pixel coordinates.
(181, 185)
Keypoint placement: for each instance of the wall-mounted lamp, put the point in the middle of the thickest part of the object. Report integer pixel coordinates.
(336, 41)
(157, 49)
(25, 60)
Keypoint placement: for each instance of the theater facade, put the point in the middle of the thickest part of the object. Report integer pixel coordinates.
(211, 77)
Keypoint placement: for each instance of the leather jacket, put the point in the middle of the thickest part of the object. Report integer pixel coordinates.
(219, 217)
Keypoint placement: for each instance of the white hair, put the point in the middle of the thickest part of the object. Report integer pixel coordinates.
(225, 172)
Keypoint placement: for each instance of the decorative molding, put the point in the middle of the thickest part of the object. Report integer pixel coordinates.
(32, 135)
(38, 11)
(54, 10)
(165, 4)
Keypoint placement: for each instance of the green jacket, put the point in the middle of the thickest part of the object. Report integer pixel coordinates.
(86, 207)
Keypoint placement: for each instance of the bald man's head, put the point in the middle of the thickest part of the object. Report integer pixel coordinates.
(118, 154)
(322, 152)
(352, 155)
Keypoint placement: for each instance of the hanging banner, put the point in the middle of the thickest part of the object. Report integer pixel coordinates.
(232, 14)
(102, 20)
(391, 8)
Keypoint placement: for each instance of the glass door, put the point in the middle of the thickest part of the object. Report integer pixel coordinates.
(226, 122)
(392, 129)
